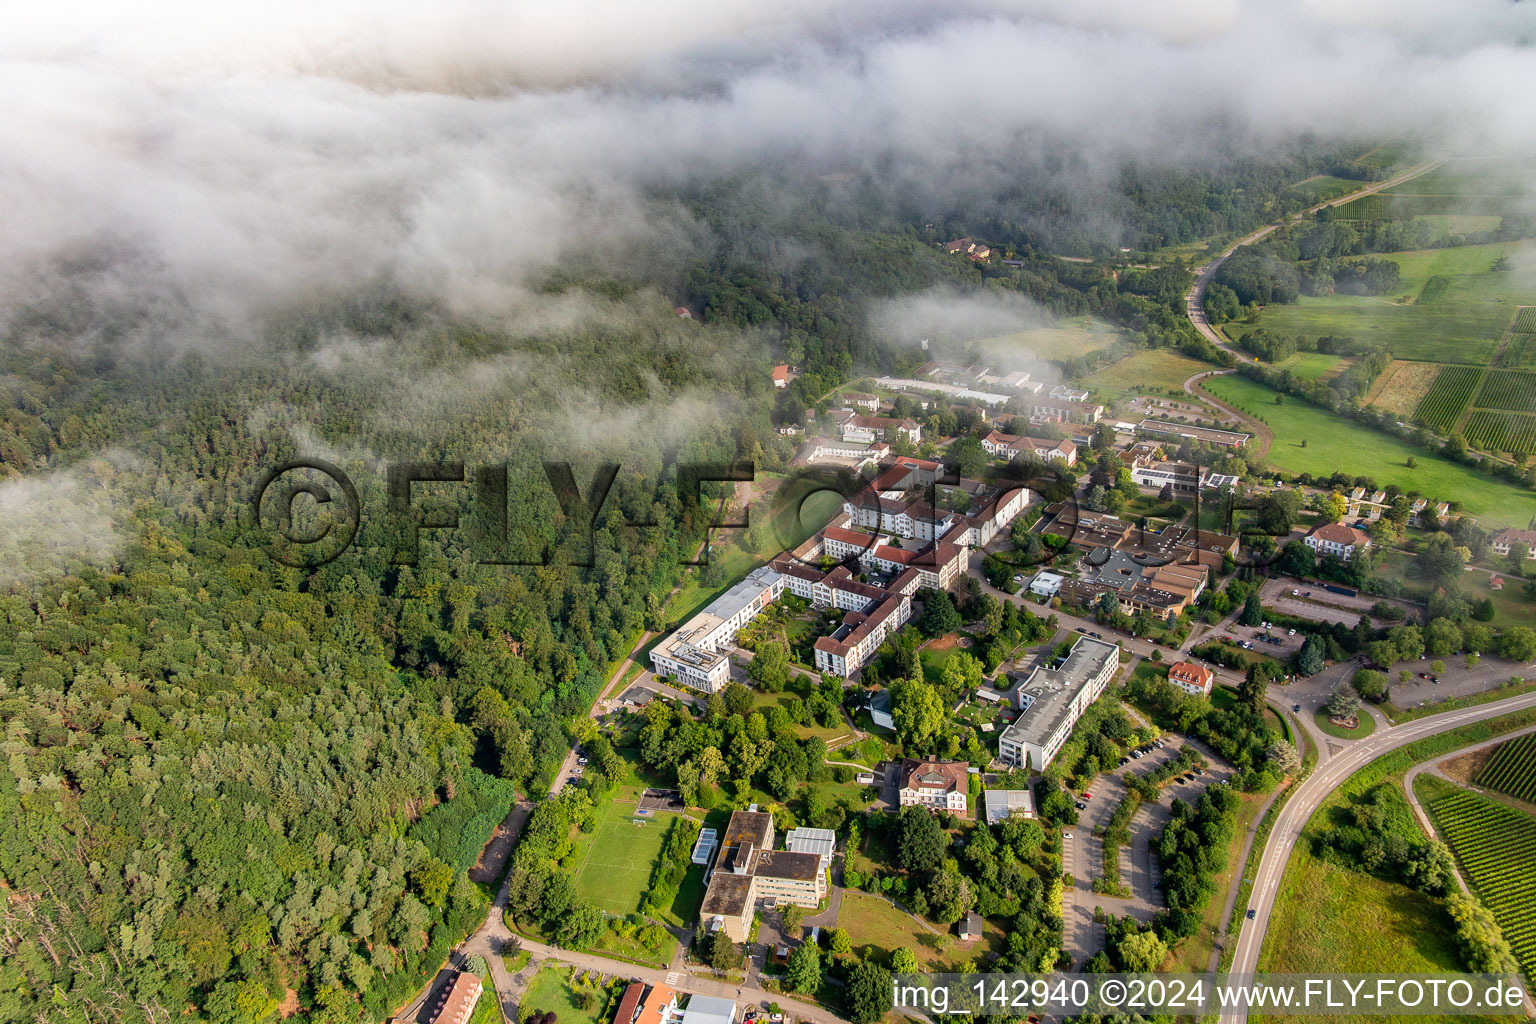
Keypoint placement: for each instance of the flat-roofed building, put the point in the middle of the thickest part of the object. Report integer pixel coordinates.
(1002, 804)
(748, 869)
(704, 846)
(697, 653)
(1051, 700)
(1210, 435)
(1182, 477)
(708, 1010)
(820, 841)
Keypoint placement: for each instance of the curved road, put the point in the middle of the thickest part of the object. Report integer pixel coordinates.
(1310, 795)
(1194, 302)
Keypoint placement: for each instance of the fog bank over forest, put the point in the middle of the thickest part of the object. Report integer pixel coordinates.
(188, 172)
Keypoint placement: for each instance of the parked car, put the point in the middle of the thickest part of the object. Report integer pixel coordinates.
(581, 760)
(1080, 629)
(1082, 806)
(1066, 835)
(1291, 633)
(1295, 593)
(1087, 796)
(1296, 708)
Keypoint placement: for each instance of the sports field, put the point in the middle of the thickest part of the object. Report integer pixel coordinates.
(1335, 443)
(616, 869)
(1470, 307)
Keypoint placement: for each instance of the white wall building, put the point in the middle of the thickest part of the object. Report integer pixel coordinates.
(697, 653)
(1052, 700)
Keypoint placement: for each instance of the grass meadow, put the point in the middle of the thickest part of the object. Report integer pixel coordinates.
(1149, 368)
(1471, 309)
(1335, 443)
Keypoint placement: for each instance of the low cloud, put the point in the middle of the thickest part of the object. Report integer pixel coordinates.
(55, 523)
(185, 173)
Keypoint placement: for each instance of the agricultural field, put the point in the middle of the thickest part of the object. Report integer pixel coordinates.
(1496, 847)
(1512, 769)
(1501, 431)
(1469, 310)
(1323, 187)
(1508, 389)
(1336, 443)
(1150, 368)
(1402, 386)
(1448, 398)
(1525, 320)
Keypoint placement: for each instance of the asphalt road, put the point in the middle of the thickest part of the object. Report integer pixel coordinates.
(1310, 795)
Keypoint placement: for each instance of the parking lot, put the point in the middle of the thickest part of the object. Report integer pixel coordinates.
(1456, 681)
(1083, 856)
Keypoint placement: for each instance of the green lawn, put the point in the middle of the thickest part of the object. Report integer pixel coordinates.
(1365, 728)
(1463, 324)
(616, 867)
(1329, 919)
(1335, 443)
(693, 595)
(871, 921)
(1310, 365)
(551, 990)
(1149, 368)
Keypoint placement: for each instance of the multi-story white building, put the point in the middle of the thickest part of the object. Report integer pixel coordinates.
(1192, 678)
(1011, 446)
(881, 428)
(935, 784)
(1506, 541)
(1338, 539)
(1051, 701)
(893, 512)
(860, 635)
(697, 653)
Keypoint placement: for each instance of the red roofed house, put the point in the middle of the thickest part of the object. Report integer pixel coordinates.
(683, 312)
(629, 1003)
(1338, 540)
(456, 1002)
(1191, 678)
(658, 1007)
(781, 375)
(934, 783)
